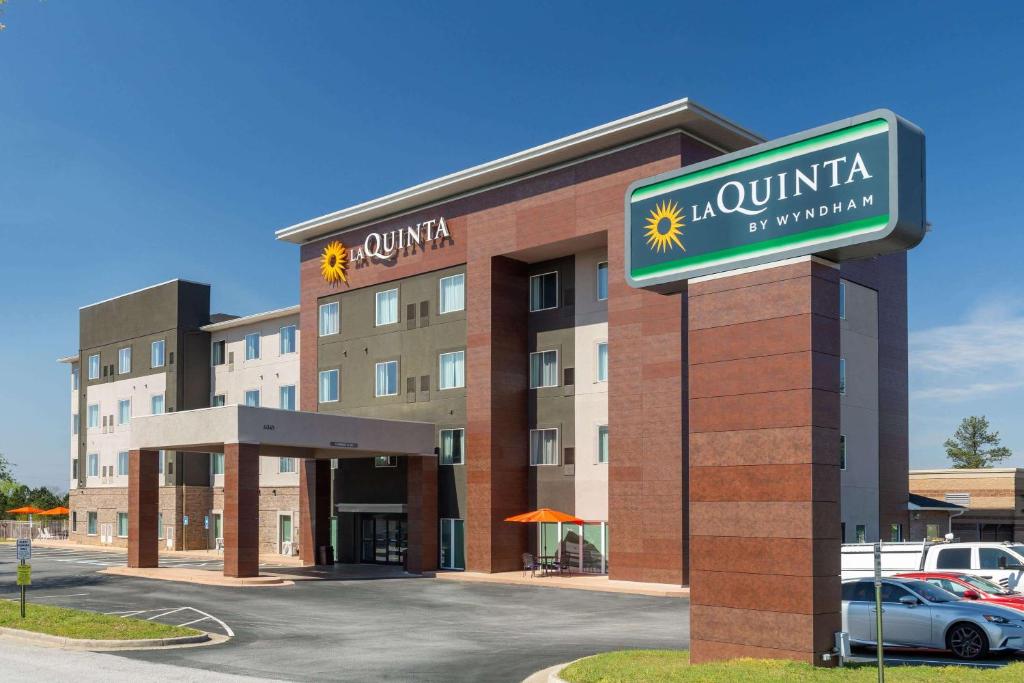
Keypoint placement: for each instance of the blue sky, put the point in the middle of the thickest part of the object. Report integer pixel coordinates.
(150, 140)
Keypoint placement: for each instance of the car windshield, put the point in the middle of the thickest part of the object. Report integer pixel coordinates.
(929, 592)
(1019, 549)
(985, 586)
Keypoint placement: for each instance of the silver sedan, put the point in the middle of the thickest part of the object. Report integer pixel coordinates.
(918, 614)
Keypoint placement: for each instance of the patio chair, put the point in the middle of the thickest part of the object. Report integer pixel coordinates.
(529, 565)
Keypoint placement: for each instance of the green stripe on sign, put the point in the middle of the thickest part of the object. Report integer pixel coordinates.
(769, 156)
(767, 246)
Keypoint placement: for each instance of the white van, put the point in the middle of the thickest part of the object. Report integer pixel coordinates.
(999, 562)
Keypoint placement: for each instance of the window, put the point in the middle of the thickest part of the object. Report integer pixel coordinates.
(387, 378)
(543, 446)
(895, 532)
(287, 339)
(156, 404)
(92, 465)
(287, 396)
(161, 462)
(329, 318)
(992, 558)
(453, 445)
(94, 366)
(602, 361)
(387, 307)
(453, 544)
(219, 400)
(842, 300)
(156, 353)
(602, 281)
(842, 451)
(859, 591)
(385, 461)
(842, 376)
(160, 525)
(953, 558)
(453, 373)
(92, 415)
(124, 360)
(252, 398)
(252, 346)
(543, 369)
(543, 291)
(602, 444)
(453, 293)
(931, 531)
(892, 593)
(216, 463)
(286, 465)
(861, 533)
(122, 464)
(124, 411)
(91, 517)
(74, 424)
(328, 386)
(74, 379)
(122, 524)
(217, 357)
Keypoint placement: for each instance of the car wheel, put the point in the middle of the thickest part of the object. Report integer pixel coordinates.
(967, 641)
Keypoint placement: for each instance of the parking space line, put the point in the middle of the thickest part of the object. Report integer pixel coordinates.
(194, 621)
(227, 629)
(157, 616)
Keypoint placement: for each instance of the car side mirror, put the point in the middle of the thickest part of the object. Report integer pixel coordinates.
(909, 600)
(971, 595)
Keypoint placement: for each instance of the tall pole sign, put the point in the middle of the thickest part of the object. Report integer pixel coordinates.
(848, 190)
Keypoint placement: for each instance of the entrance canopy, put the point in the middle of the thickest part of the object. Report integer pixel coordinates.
(282, 433)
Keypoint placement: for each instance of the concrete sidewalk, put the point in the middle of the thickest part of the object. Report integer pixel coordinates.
(586, 582)
(277, 560)
(205, 577)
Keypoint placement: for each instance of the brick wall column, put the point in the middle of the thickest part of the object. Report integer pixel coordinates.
(143, 506)
(314, 508)
(421, 487)
(241, 509)
(764, 463)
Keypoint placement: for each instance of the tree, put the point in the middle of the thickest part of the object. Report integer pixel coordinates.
(5, 469)
(967, 449)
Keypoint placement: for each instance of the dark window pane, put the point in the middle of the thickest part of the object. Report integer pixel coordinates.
(892, 592)
(954, 558)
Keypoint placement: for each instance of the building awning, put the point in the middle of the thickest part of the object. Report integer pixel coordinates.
(917, 502)
(281, 433)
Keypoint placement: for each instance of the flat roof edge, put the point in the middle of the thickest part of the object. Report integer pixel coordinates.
(252, 318)
(143, 289)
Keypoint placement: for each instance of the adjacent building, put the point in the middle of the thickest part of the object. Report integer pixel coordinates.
(991, 500)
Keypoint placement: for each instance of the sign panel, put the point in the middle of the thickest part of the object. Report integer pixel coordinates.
(24, 549)
(851, 189)
(24, 575)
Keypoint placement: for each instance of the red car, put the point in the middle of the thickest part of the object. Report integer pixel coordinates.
(970, 587)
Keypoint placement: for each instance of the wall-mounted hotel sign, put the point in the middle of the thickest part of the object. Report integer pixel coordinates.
(336, 258)
(847, 190)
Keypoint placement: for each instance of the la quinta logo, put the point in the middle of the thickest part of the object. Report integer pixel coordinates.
(664, 227)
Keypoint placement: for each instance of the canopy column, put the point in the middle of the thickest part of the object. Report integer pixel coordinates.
(421, 506)
(143, 506)
(241, 509)
(314, 509)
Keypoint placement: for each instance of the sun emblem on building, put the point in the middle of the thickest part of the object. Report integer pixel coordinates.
(333, 262)
(663, 227)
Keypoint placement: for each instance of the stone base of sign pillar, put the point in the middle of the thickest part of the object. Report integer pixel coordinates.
(764, 462)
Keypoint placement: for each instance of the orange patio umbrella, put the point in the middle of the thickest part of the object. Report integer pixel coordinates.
(59, 510)
(545, 515)
(26, 510)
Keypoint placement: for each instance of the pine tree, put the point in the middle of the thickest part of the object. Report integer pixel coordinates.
(967, 448)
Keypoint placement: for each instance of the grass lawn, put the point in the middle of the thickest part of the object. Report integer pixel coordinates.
(674, 665)
(73, 623)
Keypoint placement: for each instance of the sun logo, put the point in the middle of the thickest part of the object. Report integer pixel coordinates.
(333, 261)
(663, 227)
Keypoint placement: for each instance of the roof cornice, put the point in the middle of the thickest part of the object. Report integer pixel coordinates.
(250, 319)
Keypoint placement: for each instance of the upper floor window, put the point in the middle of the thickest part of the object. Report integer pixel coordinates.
(74, 379)
(252, 398)
(330, 318)
(287, 396)
(218, 356)
(92, 415)
(842, 300)
(124, 411)
(602, 281)
(286, 465)
(842, 376)
(124, 360)
(219, 400)
(602, 361)
(288, 339)
(842, 451)
(543, 291)
(387, 307)
(156, 404)
(453, 370)
(92, 465)
(157, 353)
(543, 369)
(453, 293)
(387, 378)
(602, 444)
(94, 366)
(122, 464)
(74, 424)
(216, 463)
(544, 446)
(252, 346)
(453, 445)
(328, 386)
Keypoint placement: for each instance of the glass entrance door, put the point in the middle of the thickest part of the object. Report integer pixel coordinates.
(383, 539)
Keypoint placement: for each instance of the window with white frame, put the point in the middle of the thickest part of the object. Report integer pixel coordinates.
(543, 291)
(252, 346)
(286, 465)
(288, 336)
(218, 356)
(842, 375)
(124, 360)
(216, 463)
(91, 527)
(74, 379)
(842, 300)
(328, 386)
(157, 353)
(544, 446)
(252, 398)
(92, 465)
(453, 446)
(544, 369)
(385, 461)
(387, 378)
(387, 307)
(453, 293)
(122, 463)
(602, 361)
(287, 397)
(122, 525)
(156, 404)
(330, 318)
(218, 400)
(92, 415)
(124, 411)
(602, 281)
(94, 366)
(602, 444)
(842, 451)
(74, 424)
(453, 370)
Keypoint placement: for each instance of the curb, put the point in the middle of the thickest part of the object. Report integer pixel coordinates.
(550, 674)
(65, 643)
(197, 577)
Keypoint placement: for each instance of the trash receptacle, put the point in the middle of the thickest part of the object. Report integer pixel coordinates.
(326, 554)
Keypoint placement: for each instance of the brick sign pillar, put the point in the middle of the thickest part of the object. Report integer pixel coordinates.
(314, 509)
(241, 509)
(764, 462)
(143, 507)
